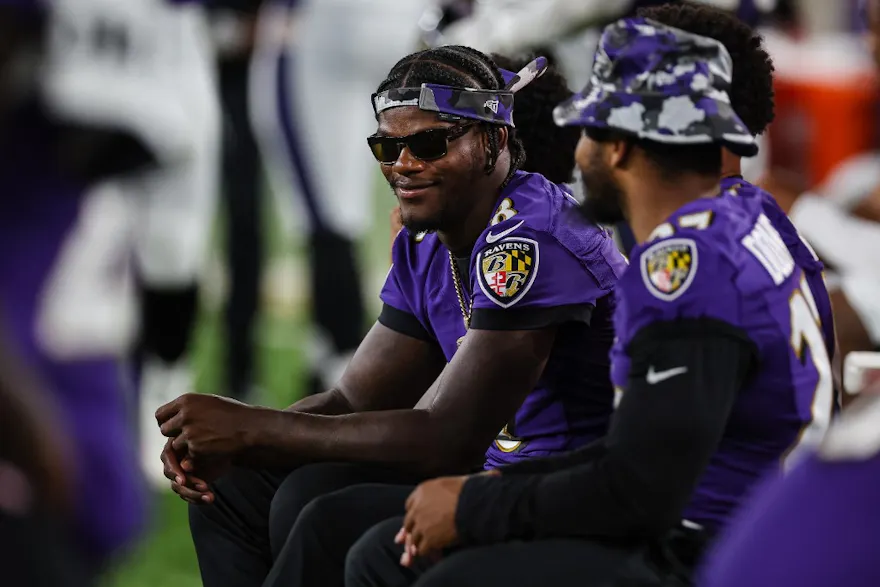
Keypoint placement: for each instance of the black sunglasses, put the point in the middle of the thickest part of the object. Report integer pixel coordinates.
(426, 145)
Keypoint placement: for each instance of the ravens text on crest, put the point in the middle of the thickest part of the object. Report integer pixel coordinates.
(507, 269)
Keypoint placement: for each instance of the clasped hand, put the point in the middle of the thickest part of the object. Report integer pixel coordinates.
(429, 526)
(205, 433)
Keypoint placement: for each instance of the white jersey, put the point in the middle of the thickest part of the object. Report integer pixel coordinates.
(145, 67)
(846, 242)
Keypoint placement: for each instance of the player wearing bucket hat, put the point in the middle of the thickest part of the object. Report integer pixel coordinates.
(700, 420)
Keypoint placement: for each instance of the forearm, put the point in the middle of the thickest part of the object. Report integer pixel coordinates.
(597, 499)
(328, 403)
(407, 439)
(659, 443)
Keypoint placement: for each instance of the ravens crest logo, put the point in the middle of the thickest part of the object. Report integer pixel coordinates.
(669, 267)
(507, 269)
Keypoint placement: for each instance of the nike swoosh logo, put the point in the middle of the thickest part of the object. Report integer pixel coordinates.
(491, 238)
(655, 377)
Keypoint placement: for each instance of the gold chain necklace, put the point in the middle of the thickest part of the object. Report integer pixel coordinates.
(466, 309)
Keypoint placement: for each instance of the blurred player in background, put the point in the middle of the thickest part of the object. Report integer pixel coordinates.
(711, 288)
(315, 61)
(153, 74)
(233, 24)
(66, 293)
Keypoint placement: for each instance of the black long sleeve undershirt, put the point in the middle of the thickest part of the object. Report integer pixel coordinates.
(637, 480)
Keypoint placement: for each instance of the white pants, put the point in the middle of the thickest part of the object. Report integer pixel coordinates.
(314, 70)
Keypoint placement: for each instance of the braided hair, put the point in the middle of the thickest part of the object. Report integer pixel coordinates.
(455, 65)
(549, 148)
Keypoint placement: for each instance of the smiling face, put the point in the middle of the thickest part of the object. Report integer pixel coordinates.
(433, 195)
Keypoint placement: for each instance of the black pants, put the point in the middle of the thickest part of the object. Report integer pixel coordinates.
(315, 551)
(244, 245)
(248, 527)
(374, 562)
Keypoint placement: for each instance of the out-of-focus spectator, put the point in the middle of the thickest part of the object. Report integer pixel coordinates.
(315, 61)
(234, 29)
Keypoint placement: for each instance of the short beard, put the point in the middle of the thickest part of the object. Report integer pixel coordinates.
(604, 202)
(455, 206)
(428, 225)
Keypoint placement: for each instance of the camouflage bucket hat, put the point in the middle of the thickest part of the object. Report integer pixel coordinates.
(493, 106)
(661, 84)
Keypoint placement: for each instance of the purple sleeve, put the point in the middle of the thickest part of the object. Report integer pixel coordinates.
(392, 293)
(532, 270)
(401, 294)
(679, 278)
(816, 527)
(398, 291)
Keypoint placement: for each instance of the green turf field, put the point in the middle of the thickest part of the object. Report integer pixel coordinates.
(166, 557)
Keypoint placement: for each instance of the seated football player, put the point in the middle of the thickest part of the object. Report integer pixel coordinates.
(751, 95)
(549, 149)
(711, 288)
(497, 316)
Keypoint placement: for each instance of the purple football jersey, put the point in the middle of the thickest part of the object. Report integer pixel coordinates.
(815, 527)
(723, 259)
(803, 254)
(39, 216)
(530, 258)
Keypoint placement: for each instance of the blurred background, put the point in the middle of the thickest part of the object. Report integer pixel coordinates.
(260, 235)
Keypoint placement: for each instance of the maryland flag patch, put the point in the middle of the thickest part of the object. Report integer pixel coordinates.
(669, 267)
(507, 269)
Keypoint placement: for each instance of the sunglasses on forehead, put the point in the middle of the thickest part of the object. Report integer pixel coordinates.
(426, 145)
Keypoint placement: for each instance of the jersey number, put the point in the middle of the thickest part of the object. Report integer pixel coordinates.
(87, 308)
(807, 340)
(808, 344)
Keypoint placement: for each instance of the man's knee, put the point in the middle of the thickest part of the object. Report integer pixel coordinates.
(242, 496)
(374, 560)
(299, 489)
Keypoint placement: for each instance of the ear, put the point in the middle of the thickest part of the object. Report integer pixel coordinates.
(618, 151)
(503, 137)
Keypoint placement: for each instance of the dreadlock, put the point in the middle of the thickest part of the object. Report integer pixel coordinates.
(455, 65)
(549, 148)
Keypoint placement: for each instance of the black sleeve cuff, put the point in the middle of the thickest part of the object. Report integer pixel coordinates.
(545, 465)
(495, 509)
(529, 318)
(694, 329)
(404, 323)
